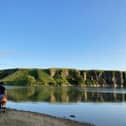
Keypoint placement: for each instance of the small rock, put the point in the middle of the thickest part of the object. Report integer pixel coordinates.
(72, 116)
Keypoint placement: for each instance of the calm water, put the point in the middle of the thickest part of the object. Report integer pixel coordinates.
(103, 107)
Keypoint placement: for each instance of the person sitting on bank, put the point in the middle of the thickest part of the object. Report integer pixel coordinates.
(3, 95)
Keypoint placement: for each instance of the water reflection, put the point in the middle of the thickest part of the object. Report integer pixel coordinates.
(64, 95)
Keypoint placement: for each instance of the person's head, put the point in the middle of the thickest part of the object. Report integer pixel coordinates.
(1, 83)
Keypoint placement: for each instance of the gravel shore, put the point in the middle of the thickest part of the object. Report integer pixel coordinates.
(22, 118)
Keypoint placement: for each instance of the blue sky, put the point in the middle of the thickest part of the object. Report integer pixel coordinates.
(82, 34)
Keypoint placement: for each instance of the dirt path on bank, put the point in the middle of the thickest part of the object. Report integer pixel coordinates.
(21, 118)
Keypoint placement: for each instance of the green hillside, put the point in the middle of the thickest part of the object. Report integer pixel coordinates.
(62, 77)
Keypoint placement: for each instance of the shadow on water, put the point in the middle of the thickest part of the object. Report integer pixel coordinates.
(65, 95)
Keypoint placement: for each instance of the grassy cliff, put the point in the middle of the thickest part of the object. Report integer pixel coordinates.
(61, 77)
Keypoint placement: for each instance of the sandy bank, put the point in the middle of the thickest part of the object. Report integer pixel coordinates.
(21, 118)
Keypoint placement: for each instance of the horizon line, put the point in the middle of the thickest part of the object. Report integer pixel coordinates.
(89, 69)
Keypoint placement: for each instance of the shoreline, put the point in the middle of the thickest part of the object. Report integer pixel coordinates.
(13, 117)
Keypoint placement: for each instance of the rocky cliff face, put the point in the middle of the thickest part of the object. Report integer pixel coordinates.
(106, 78)
(95, 78)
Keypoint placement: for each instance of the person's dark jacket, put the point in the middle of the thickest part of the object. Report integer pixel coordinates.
(2, 90)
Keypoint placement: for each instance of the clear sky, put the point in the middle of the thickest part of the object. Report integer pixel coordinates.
(82, 34)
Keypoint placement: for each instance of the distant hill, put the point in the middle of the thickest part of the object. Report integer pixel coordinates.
(62, 77)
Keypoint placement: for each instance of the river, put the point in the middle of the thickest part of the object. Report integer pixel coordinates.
(100, 106)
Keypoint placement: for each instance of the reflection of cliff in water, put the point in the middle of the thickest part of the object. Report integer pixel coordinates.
(63, 95)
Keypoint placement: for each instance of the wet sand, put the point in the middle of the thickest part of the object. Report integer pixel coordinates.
(23, 118)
